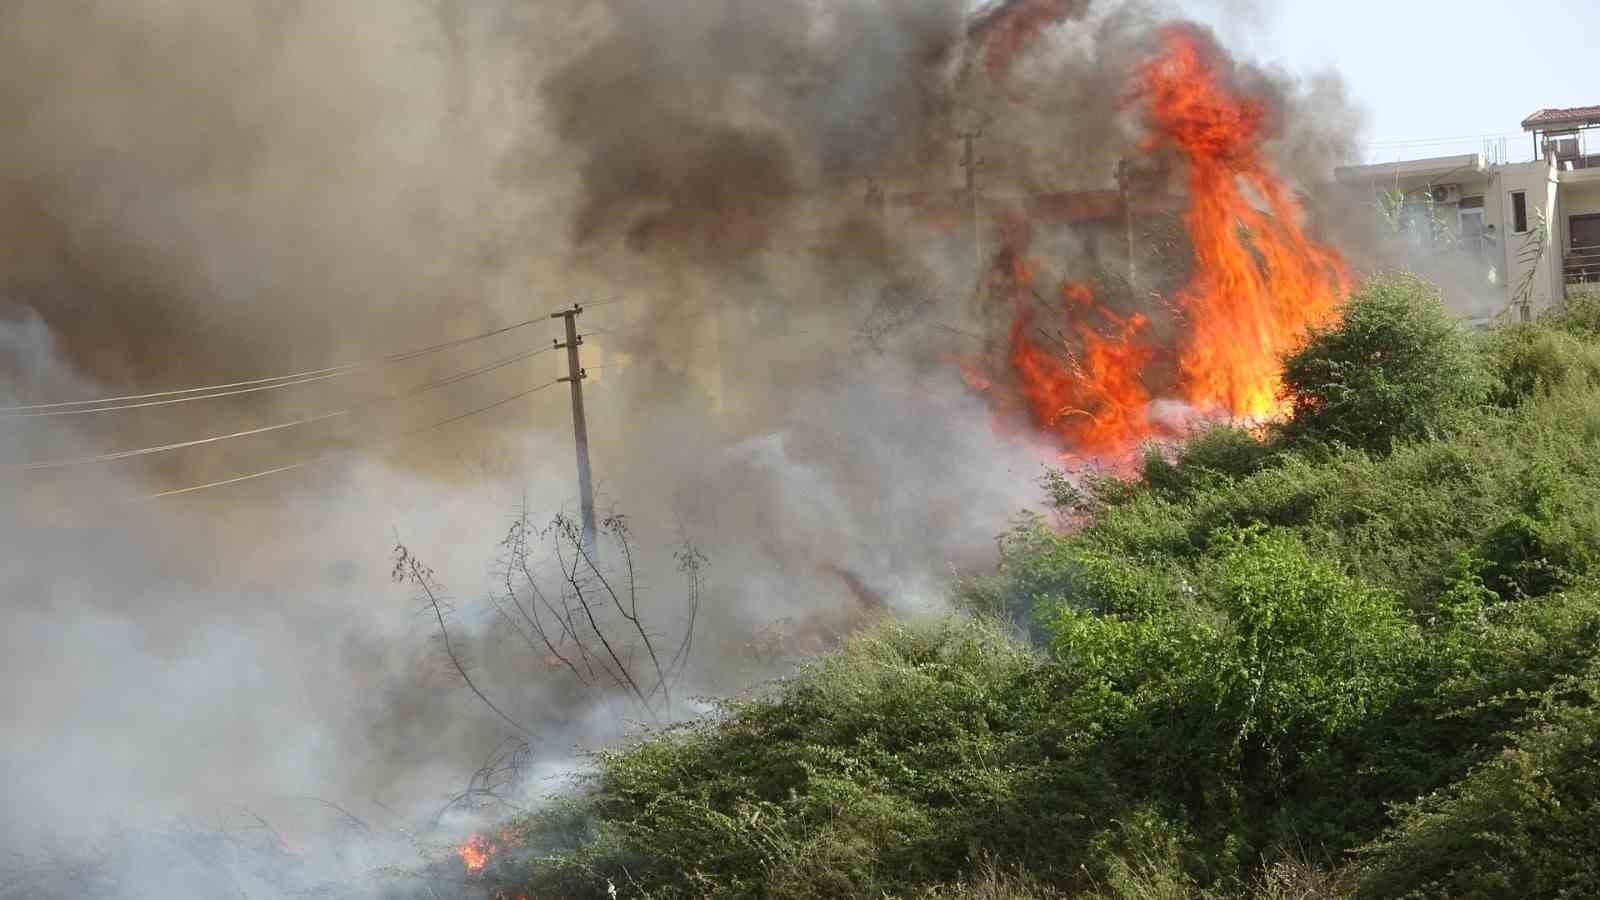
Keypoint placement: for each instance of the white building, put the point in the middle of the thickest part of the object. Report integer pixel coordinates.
(1532, 229)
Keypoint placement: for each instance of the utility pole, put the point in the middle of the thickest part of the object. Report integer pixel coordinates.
(971, 163)
(1125, 184)
(580, 427)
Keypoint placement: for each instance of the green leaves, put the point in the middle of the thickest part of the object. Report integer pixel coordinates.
(1525, 824)
(1394, 368)
(1278, 649)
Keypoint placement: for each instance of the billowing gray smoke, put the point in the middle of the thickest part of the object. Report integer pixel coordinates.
(196, 193)
(704, 126)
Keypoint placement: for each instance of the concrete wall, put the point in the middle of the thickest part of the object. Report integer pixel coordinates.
(1538, 180)
(1558, 195)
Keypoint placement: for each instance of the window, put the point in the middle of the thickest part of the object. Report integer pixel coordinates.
(1472, 230)
(1519, 212)
(1585, 231)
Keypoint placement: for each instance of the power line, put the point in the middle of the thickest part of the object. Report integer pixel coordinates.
(341, 413)
(334, 454)
(1442, 140)
(40, 410)
(165, 448)
(606, 302)
(56, 413)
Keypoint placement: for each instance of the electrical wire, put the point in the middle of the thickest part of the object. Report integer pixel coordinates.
(317, 460)
(165, 448)
(57, 413)
(606, 302)
(231, 389)
(336, 414)
(1418, 142)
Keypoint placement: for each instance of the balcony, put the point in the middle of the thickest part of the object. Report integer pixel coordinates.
(1583, 266)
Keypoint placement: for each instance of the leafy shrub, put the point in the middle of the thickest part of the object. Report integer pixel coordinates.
(1527, 360)
(1523, 825)
(888, 765)
(1221, 703)
(1212, 457)
(1395, 367)
(1580, 316)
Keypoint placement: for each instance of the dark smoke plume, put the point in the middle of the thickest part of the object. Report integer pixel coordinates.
(702, 127)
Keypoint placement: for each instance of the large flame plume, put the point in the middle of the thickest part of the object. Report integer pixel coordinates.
(1257, 282)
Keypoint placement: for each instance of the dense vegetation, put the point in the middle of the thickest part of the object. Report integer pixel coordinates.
(1354, 655)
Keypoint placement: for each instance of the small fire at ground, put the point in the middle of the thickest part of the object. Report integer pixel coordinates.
(1091, 376)
(476, 852)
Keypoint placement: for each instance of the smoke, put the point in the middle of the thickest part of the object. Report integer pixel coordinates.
(197, 193)
(703, 127)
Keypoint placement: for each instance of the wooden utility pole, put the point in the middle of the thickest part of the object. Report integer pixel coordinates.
(971, 163)
(580, 427)
(1125, 185)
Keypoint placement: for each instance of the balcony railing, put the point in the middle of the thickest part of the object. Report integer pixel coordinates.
(1583, 266)
(1576, 163)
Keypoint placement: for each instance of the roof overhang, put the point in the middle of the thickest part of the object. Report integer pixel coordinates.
(1558, 119)
(1434, 167)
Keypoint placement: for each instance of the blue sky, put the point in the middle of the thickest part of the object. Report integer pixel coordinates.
(1426, 71)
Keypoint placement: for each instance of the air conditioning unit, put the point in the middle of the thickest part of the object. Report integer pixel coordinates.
(1447, 193)
(1563, 147)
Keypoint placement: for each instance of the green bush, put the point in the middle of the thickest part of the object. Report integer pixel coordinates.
(1273, 655)
(1523, 826)
(1212, 457)
(1395, 367)
(1579, 316)
(889, 765)
(1276, 646)
(1527, 360)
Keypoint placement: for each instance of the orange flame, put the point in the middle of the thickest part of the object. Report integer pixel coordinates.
(1259, 282)
(1091, 397)
(476, 853)
(1082, 385)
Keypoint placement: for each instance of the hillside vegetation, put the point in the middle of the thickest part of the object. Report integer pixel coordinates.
(1354, 655)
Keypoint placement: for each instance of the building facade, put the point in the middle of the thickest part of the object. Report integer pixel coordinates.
(1529, 231)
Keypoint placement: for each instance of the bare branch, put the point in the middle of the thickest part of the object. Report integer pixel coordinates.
(691, 562)
(566, 529)
(517, 543)
(346, 814)
(408, 568)
(618, 527)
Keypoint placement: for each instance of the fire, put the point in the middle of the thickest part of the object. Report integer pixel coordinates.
(1087, 391)
(476, 853)
(1258, 283)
